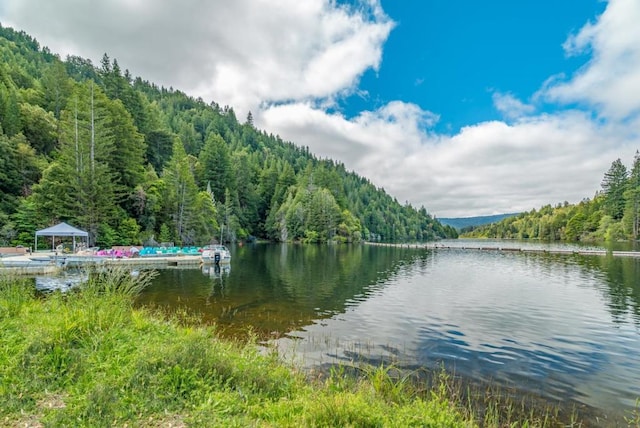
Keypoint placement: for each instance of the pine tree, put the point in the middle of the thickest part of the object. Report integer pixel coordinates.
(9, 184)
(215, 167)
(181, 192)
(631, 217)
(79, 185)
(159, 148)
(57, 88)
(127, 159)
(9, 111)
(247, 189)
(614, 185)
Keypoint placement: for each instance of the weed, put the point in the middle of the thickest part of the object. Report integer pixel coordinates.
(89, 358)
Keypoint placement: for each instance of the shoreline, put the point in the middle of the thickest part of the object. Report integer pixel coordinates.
(436, 246)
(47, 263)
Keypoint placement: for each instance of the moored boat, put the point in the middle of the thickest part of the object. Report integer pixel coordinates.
(215, 254)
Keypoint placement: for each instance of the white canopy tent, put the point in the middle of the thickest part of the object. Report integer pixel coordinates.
(62, 229)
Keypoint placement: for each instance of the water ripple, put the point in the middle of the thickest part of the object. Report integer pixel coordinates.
(537, 321)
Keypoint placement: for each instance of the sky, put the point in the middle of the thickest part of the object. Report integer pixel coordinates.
(464, 107)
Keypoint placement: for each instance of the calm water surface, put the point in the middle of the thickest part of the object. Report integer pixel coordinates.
(565, 327)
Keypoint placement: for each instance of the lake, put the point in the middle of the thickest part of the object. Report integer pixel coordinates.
(563, 327)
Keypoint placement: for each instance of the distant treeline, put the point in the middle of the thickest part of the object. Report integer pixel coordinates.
(471, 222)
(613, 214)
(132, 162)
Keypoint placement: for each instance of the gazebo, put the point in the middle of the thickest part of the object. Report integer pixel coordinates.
(62, 229)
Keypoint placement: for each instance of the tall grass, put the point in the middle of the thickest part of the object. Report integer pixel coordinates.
(89, 358)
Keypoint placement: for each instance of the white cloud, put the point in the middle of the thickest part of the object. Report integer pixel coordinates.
(510, 106)
(611, 79)
(487, 168)
(287, 60)
(381, 139)
(494, 167)
(243, 53)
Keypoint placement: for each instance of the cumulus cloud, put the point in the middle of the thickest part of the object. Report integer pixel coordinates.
(495, 167)
(288, 60)
(612, 75)
(382, 139)
(487, 168)
(243, 53)
(510, 106)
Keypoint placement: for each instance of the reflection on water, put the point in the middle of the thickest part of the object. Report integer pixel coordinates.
(273, 289)
(566, 327)
(64, 281)
(216, 271)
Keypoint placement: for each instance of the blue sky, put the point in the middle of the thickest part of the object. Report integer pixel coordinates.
(449, 57)
(464, 107)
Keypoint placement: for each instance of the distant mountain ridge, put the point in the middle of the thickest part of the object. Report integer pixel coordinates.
(463, 222)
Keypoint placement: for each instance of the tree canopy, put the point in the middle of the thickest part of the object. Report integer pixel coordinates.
(131, 162)
(612, 214)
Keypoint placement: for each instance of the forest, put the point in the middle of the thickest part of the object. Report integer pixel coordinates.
(612, 215)
(134, 163)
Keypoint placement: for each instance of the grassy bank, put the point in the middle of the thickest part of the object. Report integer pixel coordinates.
(88, 358)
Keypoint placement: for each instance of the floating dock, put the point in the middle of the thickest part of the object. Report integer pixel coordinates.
(583, 252)
(49, 263)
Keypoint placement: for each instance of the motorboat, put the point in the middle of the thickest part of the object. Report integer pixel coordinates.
(215, 254)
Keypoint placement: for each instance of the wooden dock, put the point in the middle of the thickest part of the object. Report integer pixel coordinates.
(150, 262)
(30, 270)
(46, 264)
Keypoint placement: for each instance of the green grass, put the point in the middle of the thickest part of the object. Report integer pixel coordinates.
(89, 358)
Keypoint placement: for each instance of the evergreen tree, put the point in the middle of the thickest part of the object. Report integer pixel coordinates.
(107, 137)
(9, 110)
(247, 189)
(81, 69)
(229, 218)
(215, 167)
(56, 87)
(9, 183)
(614, 185)
(79, 185)
(28, 165)
(159, 148)
(203, 225)
(127, 160)
(40, 127)
(146, 199)
(267, 181)
(323, 215)
(181, 192)
(114, 83)
(26, 219)
(632, 195)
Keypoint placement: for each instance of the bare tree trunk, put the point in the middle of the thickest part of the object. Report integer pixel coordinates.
(93, 136)
(77, 139)
(181, 210)
(636, 218)
(93, 216)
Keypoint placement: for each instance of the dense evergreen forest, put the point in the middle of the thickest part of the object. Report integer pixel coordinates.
(612, 215)
(131, 163)
(471, 222)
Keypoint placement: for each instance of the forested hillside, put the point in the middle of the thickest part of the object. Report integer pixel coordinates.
(613, 214)
(132, 162)
(471, 222)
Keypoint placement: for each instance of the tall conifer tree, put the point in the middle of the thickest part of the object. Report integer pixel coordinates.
(614, 185)
(79, 185)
